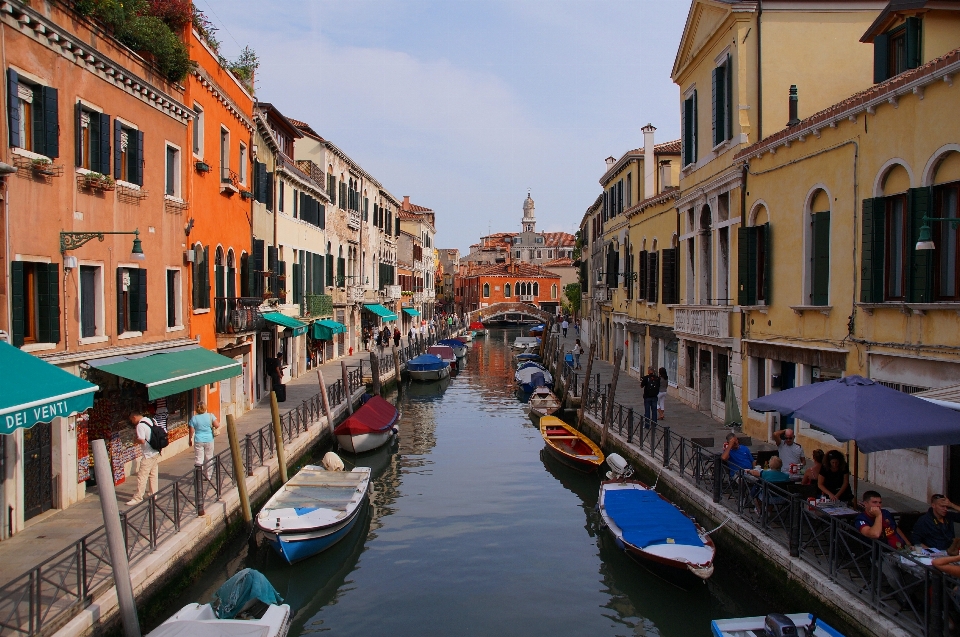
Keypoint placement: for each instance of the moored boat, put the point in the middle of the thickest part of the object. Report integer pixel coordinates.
(773, 624)
(527, 357)
(537, 330)
(526, 342)
(570, 446)
(428, 367)
(459, 347)
(543, 403)
(478, 328)
(313, 510)
(444, 353)
(246, 605)
(371, 426)
(466, 337)
(532, 375)
(652, 530)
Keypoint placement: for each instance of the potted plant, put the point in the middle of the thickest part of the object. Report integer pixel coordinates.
(42, 166)
(98, 181)
(202, 166)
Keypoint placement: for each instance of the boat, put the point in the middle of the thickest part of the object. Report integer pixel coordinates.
(773, 624)
(459, 347)
(526, 342)
(466, 337)
(543, 403)
(371, 426)
(478, 328)
(537, 330)
(532, 376)
(527, 357)
(246, 605)
(652, 530)
(428, 367)
(570, 446)
(313, 510)
(444, 352)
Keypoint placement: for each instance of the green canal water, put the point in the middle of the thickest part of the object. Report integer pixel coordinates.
(473, 530)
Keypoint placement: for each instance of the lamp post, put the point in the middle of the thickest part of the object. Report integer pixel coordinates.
(925, 240)
(74, 240)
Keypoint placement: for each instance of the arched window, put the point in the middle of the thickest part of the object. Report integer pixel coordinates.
(201, 277)
(945, 178)
(818, 249)
(220, 274)
(536, 289)
(553, 291)
(506, 291)
(231, 274)
(245, 287)
(486, 290)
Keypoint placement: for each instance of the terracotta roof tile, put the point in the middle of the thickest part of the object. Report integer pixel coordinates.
(562, 262)
(512, 269)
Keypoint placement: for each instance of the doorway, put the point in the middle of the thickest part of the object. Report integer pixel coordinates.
(705, 384)
(37, 470)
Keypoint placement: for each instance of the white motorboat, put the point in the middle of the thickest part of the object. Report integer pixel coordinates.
(428, 367)
(371, 426)
(800, 624)
(526, 342)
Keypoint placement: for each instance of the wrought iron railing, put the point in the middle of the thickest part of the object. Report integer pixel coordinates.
(235, 315)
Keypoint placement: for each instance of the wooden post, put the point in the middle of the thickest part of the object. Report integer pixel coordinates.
(278, 437)
(607, 417)
(586, 384)
(326, 402)
(239, 475)
(375, 372)
(566, 383)
(396, 367)
(346, 386)
(115, 538)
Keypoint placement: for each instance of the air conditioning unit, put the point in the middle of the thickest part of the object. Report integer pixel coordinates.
(189, 255)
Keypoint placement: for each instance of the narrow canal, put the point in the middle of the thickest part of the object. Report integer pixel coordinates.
(472, 530)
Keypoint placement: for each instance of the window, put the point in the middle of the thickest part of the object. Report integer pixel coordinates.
(895, 247)
(758, 378)
(198, 131)
(201, 277)
(172, 176)
(689, 129)
(553, 291)
(33, 116)
(506, 291)
(946, 241)
(128, 153)
(174, 310)
(281, 195)
(242, 165)
(35, 300)
(131, 300)
(691, 365)
(670, 280)
(754, 277)
(517, 254)
(820, 258)
(224, 154)
(536, 289)
(93, 139)
(897, 50)
(486, 290)
(539, 253)
(91, 301)
(722, 102)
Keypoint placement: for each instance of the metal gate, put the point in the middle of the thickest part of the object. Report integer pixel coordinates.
(37, 470)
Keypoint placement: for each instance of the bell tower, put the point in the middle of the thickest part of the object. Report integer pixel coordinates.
(529, 222)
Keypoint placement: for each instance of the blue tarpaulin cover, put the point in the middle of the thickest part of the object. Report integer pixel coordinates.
(241, 589)
(647, 519)
(426, 363)
(527, 364)
(876, 417)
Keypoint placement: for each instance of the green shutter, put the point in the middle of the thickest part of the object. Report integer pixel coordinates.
(329, 268)
(141, 299)
(13, 114)
(881, 55)
(18, 327)
(121, 310)
(716, 117)
(747, 265)
(51, 121)
(39, 130)
(914, 43)
(642, 276)
(685, 116)
(231, 282)
(694, 128)
(820, 289)
(77, 134)
(245, 283)
(136, 170)
(297, 291)
(767, 264)
(920, 264)
(268, 190)
(317, 274)
(872, 251)
(205, 289)
(341, 272)
(729, 95)
(48, 302)
(654, 275)
(218, 273)
(117, 148)
(104, 131)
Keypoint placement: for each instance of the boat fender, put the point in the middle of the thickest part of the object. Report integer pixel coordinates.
(395, 431)
(332, 462)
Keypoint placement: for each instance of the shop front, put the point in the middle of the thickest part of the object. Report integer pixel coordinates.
(288, 344)
(375, 316)
(411, 319)
(321, 337)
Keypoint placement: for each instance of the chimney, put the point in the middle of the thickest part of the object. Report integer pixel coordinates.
(794, 105)
(665, 175)
(406, 202)
(649, 163)
(610, 162)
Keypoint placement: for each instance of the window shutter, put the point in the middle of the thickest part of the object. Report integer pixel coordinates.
(120, 306)
(17, 301)
(767, 264)
(48, 302)
(642, 276)
(329, 270)
(729, 101)
(256, 269)
(117, 151)
(141, 299)
(321, 215)
(684, 134)
(872, 251)
(919, 262)
(245, 275)
(653, 273)
(695, 130)
(318, 274)
(366, 209)
(231, 282)
(268, 189)
(205, 290)
(104, 143)
(78, 134)
(218, 281)
(343, 196)
(297, 291)
(821, 258)
(669, 275)
(13, 116)
(717, 118)
(914, 48)
(746, 266)
(137, 168)
(341, 272)
(51, 121)
(881, 53)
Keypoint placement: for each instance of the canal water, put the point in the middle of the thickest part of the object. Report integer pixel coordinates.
(473, 530)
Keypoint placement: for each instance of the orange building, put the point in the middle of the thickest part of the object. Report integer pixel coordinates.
(484, 285)
(223, 314)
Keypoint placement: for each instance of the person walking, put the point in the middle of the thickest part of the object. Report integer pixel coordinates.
(396, 336)
(651, 388)
(149, 470)
(662, 396)
(563, 327)
(203, 427)
(576, 326)
(577, 350)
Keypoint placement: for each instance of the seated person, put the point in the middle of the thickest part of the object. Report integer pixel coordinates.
(790, 451)
(834, 478)
(934, 529)
(736, 456)
(773, 474)
(811, 475)
(878, 523)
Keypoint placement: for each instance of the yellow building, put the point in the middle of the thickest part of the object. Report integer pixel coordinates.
(836, 205)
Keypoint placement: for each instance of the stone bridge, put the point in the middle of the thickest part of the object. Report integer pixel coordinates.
(515, 311)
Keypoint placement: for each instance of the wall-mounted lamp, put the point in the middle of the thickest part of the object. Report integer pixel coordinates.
(925, 240)
(74, 240)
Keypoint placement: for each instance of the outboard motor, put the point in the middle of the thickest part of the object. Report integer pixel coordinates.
(779, 625)
(619, 469)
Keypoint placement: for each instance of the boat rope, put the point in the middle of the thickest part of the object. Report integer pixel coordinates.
(719, 527)
(657, 481)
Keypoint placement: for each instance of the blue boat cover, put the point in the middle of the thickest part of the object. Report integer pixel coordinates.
(528, 357)
(426, 363)
(537, 380)
(241, 589)
(527, 364)
(646, 519)
(455, 343)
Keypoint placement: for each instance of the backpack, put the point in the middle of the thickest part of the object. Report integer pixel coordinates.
(158, 435)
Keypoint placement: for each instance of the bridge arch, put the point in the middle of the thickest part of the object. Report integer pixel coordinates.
(495, 310)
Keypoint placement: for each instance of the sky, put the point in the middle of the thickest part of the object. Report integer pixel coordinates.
(464, 105)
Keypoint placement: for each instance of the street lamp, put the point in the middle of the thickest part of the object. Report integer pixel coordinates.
(925, 240)
(73, 240)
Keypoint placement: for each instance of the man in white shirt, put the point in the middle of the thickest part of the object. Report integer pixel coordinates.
(789, 451)
(150, 463)
(563, 327)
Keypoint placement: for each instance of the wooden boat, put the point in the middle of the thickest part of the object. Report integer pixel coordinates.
(543, 403)
(428, 367)
(466, 337)
(569, 445)
(773, 624)
(459, 347)
(654, 531)
(313, 510)
(444, 353)
(526, 342)
(246, 605)
(529, 376)
(371, 426)
(478, 328)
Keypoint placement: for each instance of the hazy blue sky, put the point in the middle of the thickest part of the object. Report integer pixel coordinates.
(465, 104)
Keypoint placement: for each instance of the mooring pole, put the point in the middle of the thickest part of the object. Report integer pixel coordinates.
(239, 475)
(278, 437)
(115, 541)
(326, 402)
(375, 372)
(586, 384)
(617, 357)
(345, 375)
(396, 367)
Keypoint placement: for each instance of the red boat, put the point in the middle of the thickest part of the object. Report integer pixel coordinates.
(369, 427)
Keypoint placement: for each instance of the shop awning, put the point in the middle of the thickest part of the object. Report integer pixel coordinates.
(36, 391)
(298, 328)
(324, 330)
(381, 311)
(171, 372)
(409, 311)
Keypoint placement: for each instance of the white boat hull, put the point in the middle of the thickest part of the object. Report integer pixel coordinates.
(365, 442)
(752, 626)
(430, 374)
(196, 620)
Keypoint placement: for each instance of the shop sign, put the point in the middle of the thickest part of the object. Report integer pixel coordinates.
(265, 336)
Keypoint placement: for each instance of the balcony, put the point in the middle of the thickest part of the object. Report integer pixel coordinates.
(353, 219)
(317, 305)
(355, 294)
(229, 182)
(236, 315)
(709, 322)
(525, 298)
(392, 292)
(429, 294)
(417, 298)
(602, 293)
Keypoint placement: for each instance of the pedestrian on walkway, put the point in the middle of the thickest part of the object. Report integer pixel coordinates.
(662, 396)
(563, 327)
(150, 463)
(396, 336)
(576, 326)
(577, 350)
(651, 389)
(203, 427)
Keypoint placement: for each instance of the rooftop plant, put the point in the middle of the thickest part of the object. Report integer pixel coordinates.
(246, 64)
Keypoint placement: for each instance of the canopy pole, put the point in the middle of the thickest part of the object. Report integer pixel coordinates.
(856, 469)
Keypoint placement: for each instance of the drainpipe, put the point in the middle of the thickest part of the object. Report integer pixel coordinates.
(759, 70)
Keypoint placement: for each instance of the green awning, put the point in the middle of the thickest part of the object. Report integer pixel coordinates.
(411, 311)
(381, 311)
(171, 372)
(324, 330)
(298, 328)
(36, 391)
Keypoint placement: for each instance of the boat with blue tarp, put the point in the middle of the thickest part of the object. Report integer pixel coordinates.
(459, 347)
(531, 376)
(428, 367)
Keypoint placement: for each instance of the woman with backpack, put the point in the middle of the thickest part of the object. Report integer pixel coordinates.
(203, 427)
